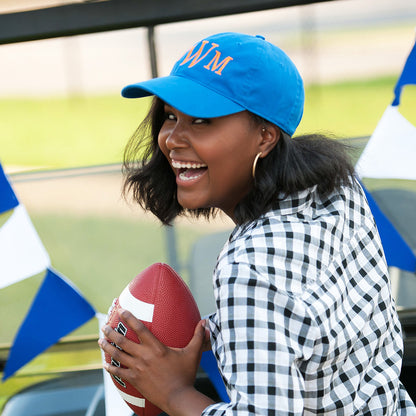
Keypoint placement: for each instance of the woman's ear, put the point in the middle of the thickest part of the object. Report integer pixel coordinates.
(270, 135)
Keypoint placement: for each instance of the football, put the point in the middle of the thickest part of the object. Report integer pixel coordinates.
(163, 302)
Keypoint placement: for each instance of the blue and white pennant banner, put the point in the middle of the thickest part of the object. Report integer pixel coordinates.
(390, 154)
(58, 304)
(391, 150)
(22, 253)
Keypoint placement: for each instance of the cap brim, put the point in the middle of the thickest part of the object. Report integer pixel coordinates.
(186, 95)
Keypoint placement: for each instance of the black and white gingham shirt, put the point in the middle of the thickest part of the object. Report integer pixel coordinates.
(305, 323)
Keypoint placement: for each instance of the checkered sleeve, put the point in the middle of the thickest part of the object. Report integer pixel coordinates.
(263, 335)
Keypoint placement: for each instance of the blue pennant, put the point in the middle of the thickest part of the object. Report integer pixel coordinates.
(8, 199)
(210, 366)
(397, 251)
(57, 309)
(408, 76)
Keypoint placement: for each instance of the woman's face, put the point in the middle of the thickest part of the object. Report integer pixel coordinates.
(211, 158)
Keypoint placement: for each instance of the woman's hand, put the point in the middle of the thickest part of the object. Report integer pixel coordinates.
(163, 375)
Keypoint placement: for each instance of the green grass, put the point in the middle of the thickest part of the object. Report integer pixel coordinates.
(66, 132)
(353, 109)
(79, 131)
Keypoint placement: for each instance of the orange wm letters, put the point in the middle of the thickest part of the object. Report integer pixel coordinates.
(196, 57)
(214, 65)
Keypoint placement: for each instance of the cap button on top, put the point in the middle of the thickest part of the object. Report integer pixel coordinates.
(261, 37)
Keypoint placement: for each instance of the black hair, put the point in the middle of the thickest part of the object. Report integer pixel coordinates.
(293, 165)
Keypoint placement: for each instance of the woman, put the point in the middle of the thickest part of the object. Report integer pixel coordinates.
(305, 322)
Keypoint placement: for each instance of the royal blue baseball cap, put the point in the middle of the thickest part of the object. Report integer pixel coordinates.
(227, 73)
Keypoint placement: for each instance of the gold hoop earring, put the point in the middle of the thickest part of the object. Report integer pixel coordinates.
(255, 164)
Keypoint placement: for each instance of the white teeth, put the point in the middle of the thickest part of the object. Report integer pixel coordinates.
(188, 178)
(188, 165)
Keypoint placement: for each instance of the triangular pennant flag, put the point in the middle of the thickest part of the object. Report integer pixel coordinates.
(57, 309)
(8, 199)
(210, 366)
(408, 76)
(22, 253)
(397, 251)
(383, 159)
(114, 404)
(391, 150)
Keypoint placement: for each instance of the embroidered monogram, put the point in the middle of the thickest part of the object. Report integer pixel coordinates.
(214, 65)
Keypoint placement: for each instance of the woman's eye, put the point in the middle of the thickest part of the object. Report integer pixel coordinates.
(200, 121)
(170, 116)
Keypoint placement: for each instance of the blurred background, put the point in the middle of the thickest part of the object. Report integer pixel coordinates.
(64, 125)
(61, 97)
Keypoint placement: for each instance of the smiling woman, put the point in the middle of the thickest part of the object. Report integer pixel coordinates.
(223, 147)
(305, 321)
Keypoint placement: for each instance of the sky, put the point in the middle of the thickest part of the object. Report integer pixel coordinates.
(329, 41)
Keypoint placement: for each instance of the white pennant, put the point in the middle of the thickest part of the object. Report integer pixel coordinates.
(391, 151)
(22, 253)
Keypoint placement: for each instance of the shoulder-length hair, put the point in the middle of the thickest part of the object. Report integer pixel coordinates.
(293, 165)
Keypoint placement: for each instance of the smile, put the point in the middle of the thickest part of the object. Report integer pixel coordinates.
(187, 165)
(187, 175)
(188, 171)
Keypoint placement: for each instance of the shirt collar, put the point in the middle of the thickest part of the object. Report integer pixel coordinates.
(297, 202)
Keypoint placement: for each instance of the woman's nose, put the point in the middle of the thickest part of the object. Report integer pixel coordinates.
(177, 137)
